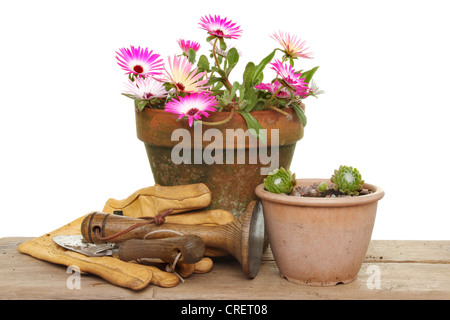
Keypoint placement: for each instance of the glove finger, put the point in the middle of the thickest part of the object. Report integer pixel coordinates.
(203, 266)
(185, 269)
(162, 278)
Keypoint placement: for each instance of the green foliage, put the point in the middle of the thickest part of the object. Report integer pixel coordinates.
(347, 180)
(280, 181)
(140, 104)
(258, 74)
(232, 59)
(309, 74)
(203, 64)
(322, 187)
(247, 77)
(300, 113)
(243, 97)
(191, 55)
(254, 126)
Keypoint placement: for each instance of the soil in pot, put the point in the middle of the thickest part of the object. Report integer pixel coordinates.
(313, 190)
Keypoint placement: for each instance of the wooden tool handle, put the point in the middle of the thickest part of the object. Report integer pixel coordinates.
(243, 238)
(100, 227)
(191, 247)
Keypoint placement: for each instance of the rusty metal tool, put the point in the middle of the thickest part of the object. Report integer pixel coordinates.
(243, 238)
(191, 248)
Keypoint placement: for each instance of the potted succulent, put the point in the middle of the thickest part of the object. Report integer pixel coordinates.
(319, 229)
(199, 126)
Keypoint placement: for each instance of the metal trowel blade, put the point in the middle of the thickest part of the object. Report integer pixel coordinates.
(76, 243)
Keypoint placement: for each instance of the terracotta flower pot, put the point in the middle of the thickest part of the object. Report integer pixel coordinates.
(232, 185)
(319, 241)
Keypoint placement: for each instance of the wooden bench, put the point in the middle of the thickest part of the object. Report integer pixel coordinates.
(392, 270)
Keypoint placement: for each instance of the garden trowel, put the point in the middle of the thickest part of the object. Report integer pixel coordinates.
(243, 238)
(168, 249)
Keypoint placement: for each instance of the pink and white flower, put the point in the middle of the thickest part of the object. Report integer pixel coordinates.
(183, 77)
(139, 61)
(292, 45)
(192, 106)
(145, 89)
(220, 28)
(290, 78)
(185, 45)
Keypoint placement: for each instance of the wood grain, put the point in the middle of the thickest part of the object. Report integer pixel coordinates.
(405, 269)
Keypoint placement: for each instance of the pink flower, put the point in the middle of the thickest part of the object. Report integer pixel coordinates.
(139, 61)
(290, 78)
(185, 45)
(293, 47)
(193, 106)
(183, 77)
(145, 89)
(274, 87)
(219, 27)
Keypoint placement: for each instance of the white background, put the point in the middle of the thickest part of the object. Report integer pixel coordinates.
(68, 139)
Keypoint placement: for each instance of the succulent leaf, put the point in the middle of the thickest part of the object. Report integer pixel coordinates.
(322, 187)
(280, 181)
(347, 180)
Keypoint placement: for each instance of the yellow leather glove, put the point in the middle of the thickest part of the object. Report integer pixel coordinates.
(153, 200)
(144, 202)
(148, 202)
(124, 274)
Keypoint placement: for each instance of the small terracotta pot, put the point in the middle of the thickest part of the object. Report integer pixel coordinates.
(319, 241)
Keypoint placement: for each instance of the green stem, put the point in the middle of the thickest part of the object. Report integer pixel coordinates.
(228, 85)
(273, 107)
(273, 95)
(214, 53)
(279, 110)
(226, 82)
(219, 122)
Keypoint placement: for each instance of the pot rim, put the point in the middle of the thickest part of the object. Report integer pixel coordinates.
(320, 202)
(155, 127)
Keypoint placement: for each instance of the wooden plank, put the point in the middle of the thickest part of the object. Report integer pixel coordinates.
(23, 277)
(378, 251)
(401, 251)
(408, 251)
(397, 281)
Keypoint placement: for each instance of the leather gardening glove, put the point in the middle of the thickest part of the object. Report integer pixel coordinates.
(148, 202)
(144, 203)
(130, 275)
(124, 274)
